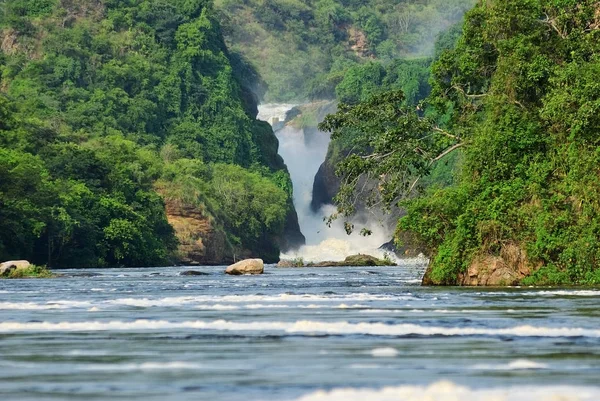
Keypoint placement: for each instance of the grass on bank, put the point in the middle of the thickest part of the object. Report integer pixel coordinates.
(29, 272)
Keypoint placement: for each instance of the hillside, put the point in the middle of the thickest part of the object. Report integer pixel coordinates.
(302, 49)
(518, 100)
(109, 109)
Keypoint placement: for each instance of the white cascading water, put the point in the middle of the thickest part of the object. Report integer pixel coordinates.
(303, 157)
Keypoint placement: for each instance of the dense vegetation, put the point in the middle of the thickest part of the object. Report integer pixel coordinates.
(303, 49)
(519, 99)
(108, 107)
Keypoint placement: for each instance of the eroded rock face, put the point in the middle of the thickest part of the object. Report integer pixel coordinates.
(200, 243)
(509, 268)
(11, 265)
(248, 266)
(506, 269)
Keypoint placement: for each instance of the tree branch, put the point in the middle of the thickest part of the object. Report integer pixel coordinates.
(449, 135)
(552, 23)
(447, 151)
(461, 90)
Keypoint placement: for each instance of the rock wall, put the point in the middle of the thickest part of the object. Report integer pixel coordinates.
(200, 242)
(508, 268)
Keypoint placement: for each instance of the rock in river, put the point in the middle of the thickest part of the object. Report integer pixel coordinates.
(193, 273)
(248, 266)
(7, 267)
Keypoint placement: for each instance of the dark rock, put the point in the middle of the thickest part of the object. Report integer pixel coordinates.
(325, 186)
(83, 275)
(193, 273)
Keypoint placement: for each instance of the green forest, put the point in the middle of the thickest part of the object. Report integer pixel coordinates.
(121, 120)
(516, 103)
(303, 48)
(128, 131)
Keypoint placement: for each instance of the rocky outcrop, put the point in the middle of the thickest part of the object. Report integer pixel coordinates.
(200, 242)
(325, 186)
(8, 41)
(7, 267)
(359, 43)
(288, 263)
(356, 261)
(410, 246)
(292, 236)
(506, 269)
(353, 261)
(248, 266)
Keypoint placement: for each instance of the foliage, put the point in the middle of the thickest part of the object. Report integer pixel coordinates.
(303, 48)
(101, 101)
(30, 272)
(254, 207)
(520, 94)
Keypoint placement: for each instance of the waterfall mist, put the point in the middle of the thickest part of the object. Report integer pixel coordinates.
(303, 151)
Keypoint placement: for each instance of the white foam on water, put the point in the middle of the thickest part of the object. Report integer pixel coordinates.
(365, 366)
(377, 311)
(519, 364)
(224, 303)
(384, 352)
(355, 306)
(266, 112)
(28, 306)
(301, 327)
(570, 293)
(127, 367)
(253, 299)
(266, 306)
(88, 352)
(574, 293)
(67, 304)
(339, 245)
(303, 153)
(448, 391)
(217, 307)
(44, 306)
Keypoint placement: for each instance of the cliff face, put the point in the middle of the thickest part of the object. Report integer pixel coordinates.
(326, 185)
(200, 243)
(509, 267)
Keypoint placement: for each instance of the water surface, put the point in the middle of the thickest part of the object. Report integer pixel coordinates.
(355, 333)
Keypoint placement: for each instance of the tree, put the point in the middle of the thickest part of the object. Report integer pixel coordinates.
(391, 145)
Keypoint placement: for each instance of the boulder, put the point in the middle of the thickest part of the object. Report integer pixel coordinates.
(7, 267)
(248, 266)
(355, 261)
(298, 262)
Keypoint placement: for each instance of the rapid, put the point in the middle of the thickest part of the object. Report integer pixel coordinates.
(346, 333)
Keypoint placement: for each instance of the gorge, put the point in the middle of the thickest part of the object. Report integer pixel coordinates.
(304, 149)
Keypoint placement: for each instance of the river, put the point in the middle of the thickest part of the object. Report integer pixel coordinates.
(293, 334)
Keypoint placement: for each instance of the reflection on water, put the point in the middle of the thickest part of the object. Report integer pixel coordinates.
(311, 334)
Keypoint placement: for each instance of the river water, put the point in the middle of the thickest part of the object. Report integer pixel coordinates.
(293, 334)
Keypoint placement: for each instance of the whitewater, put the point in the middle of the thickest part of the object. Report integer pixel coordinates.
(310, 334)
(303, 152)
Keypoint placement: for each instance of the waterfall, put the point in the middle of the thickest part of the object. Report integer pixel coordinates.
(303, 152)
